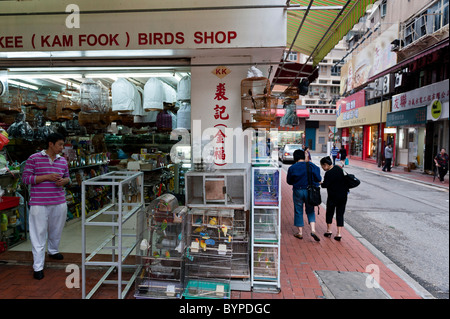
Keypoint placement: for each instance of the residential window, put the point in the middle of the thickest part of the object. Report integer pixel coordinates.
(293, 56)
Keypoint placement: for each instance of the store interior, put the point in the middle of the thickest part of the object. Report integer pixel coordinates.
(118, 124)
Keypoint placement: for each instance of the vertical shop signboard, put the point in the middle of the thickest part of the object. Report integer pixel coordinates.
(221, 114)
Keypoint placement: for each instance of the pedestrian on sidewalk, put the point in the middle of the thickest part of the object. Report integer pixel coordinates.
(441, 161)
(47, 172)
(307, 154)
(388, 154)
(334, 182)
(298, 177)
(334, 153)
(342, 155)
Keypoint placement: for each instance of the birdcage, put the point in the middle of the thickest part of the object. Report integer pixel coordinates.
(40, 102)
(63, 112)
(90, 96)
(261, 117)
(162, 251)
(255, 93)
(11, 103)
(30, 98)
(50, 104)
(208, 257)
(73, 96)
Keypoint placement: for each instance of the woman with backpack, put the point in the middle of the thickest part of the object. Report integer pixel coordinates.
(337, 189)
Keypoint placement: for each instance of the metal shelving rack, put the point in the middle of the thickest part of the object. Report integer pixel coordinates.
(266, 228)
(127, 201)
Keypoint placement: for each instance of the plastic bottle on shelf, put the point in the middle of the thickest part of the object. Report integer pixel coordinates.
(3, 222)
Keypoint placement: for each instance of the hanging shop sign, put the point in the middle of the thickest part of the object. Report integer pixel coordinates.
(415, 116)
(138, 30)
(371, 114)
(421, 97)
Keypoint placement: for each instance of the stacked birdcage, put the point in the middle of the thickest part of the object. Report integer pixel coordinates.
(162, 250)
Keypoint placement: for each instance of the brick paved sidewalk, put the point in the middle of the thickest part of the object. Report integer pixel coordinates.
(300, 258)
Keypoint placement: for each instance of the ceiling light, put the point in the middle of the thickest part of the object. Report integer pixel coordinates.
(23, 85)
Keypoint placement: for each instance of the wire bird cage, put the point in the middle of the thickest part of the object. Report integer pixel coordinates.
(162, 250)
(209, 254)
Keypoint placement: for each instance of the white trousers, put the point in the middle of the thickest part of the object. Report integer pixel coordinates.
(46, 224)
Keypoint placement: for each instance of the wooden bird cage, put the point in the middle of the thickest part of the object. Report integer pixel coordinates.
(254, 93)
(40, 102)
(261, 117)
(30, 98)
(12, 103)
(62, 111)
(50, 105)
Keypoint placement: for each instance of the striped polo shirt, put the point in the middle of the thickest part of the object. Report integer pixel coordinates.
(45, 193)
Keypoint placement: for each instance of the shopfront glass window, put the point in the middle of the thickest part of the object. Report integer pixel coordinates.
(356, 141)
(373, 142)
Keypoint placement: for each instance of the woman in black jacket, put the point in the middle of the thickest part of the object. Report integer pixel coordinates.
(334, 182)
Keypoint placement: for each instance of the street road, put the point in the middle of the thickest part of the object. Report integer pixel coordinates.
(407, 221)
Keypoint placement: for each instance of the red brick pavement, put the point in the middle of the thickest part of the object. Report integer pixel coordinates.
(300, 258)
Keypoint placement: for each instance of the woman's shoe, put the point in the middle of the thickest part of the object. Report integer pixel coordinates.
(338, 238)
(316, 238)
(299, 236)
(328, 235)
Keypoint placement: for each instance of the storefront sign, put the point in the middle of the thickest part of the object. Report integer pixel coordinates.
(415, 116)
(138, 30)
(370, 114)
(421, 97)
(351, 102)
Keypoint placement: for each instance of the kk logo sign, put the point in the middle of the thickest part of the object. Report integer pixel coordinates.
(221, 71)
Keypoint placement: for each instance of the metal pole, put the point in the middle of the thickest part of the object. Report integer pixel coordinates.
(83, 241)
(380, 139)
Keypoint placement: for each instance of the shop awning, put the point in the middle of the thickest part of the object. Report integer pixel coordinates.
(289, 74)
(326, 23)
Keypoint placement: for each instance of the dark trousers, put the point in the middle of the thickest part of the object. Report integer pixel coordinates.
(442, 172)
(337, 205)
(387, 164)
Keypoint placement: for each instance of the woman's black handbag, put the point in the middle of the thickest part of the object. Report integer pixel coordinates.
(350, 180)
(314, 198)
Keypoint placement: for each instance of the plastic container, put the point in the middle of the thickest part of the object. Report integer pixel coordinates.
(8, 202)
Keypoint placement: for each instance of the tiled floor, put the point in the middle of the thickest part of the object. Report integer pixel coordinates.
(299, 260)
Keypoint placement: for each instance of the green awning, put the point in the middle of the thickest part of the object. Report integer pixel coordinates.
(316, 29)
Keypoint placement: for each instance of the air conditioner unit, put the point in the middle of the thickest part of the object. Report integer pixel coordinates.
(387, 84)
(398, 80)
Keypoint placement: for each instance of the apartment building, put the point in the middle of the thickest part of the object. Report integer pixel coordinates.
(394, 83)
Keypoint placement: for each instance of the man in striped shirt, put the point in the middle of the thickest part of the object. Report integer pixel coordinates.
(334, 153)
(47, 172)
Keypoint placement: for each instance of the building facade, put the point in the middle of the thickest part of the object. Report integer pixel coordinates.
(398, 59)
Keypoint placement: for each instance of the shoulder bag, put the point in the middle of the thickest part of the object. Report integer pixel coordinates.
(350, 180)
(314, 198)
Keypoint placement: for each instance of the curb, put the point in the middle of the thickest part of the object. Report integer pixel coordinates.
(421, 291)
